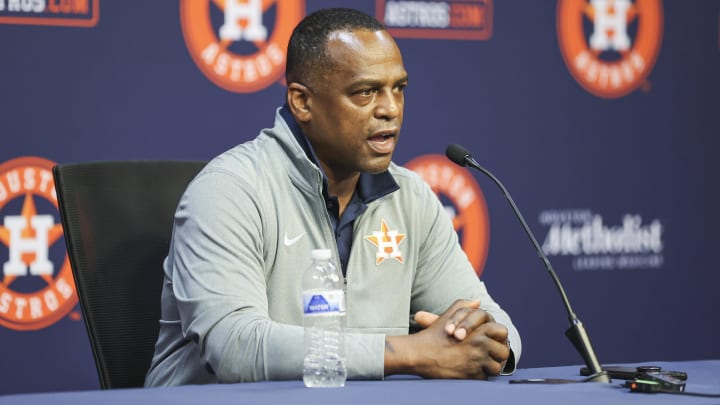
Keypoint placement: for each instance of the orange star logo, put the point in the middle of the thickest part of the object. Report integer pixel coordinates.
(611, 59)
(387, 242)
(26, 238)
(29, 233)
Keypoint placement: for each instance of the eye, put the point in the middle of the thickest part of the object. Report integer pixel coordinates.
(367, 92)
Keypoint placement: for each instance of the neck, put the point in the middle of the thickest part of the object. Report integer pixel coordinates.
(342, 187)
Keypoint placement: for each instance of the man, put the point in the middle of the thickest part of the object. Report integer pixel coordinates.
(322, 177)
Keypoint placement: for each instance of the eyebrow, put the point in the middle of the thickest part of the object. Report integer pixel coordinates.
(376, 83)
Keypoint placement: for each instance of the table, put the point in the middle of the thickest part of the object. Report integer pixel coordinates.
(703, 376)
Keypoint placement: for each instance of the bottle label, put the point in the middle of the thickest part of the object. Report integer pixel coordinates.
(328, 302)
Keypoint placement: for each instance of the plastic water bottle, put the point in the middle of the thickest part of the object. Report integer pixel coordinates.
(324, 320)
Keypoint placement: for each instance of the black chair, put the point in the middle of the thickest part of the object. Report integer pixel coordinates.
(117, 219)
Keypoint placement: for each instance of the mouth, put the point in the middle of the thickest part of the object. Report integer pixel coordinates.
(383, 142)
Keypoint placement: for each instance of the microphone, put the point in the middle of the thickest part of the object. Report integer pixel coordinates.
(576, 333)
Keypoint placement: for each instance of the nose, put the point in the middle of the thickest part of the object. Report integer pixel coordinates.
(389, 104)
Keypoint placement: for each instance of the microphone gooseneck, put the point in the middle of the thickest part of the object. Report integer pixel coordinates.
(576, 333)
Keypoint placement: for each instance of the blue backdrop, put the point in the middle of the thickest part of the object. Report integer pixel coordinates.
(608, 149)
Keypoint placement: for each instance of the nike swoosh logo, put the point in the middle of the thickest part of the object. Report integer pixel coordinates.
(291, 241)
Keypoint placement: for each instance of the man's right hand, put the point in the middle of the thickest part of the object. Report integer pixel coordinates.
(463, 342)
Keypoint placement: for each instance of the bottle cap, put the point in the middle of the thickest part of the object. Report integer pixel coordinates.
(321, 254)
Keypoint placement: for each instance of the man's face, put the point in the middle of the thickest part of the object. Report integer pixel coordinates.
(357, 107)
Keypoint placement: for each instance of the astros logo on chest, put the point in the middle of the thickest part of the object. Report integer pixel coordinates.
(387, 241)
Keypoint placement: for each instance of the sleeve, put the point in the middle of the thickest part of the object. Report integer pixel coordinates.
(219, 283)
(445, 274)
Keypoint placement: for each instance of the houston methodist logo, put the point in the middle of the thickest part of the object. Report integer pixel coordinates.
(455, 186)
(245, 52)
(67, 13)
(437, 19)
(610, 46)
(35, 292)
(584, 237)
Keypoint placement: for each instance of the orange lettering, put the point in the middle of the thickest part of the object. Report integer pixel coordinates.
(81, 6)
(466, 15)
(68, 6)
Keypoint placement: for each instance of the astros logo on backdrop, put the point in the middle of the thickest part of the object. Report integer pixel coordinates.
(245, 51)
(35, 292)
(610, 46)
(468, 209)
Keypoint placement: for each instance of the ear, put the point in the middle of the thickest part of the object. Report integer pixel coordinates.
(299, 99)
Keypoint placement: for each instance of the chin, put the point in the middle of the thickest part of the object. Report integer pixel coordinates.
(377, 167)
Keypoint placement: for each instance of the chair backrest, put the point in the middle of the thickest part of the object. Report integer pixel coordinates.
(117, 219)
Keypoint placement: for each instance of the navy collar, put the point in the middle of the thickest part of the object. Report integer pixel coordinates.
(370, 187)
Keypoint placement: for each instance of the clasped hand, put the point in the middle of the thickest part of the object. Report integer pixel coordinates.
(463, 342)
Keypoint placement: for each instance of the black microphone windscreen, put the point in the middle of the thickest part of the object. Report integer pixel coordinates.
(457, 154)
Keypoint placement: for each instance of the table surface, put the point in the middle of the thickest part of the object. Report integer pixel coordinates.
(703, 376)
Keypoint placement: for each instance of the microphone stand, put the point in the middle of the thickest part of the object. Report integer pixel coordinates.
(576, 333)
